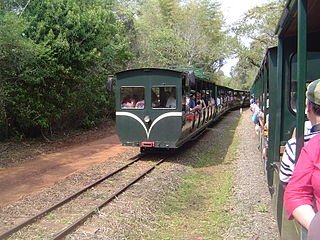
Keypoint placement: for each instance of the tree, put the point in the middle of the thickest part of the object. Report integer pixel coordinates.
(18, 65)
(60, 83)
(188, 34)
(256, 27)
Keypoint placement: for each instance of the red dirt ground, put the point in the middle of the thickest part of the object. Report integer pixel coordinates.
(47, 169)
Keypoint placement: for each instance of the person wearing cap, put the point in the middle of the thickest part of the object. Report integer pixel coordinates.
(288, 160)
(302, 194)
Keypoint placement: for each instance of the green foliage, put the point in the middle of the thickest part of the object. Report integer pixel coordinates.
(257, 27)
(55, 58)
(188, 34)
(169, 8)
(18, 67)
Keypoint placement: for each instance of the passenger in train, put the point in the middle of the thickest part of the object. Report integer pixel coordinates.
(140, 104)
(219, 103)
(302, 194)
(198, 107)
(195, 106)
(200, 101)
(171, 101)
(212, 101)
(243, 98)
(266, 137)
(155, 102)
(251, 100)
(222, 101)
(257, 117)
(187, 102)
(192, 102)
(288, 160)
(125, 101)
(204, 98)
(255, 108)
(128, 102)
(208, 98)
(200, 104)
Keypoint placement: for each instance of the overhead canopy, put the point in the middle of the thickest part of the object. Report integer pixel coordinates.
(287, 25)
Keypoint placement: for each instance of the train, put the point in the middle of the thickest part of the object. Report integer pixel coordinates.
(280, 87)
(163, 108)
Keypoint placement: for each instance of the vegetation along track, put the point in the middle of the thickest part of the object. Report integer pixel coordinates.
(71, 215)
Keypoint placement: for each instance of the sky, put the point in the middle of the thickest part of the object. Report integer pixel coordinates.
(232, 11)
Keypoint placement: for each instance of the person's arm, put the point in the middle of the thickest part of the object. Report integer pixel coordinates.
(304, 215)
(298, 197)
(287, 163)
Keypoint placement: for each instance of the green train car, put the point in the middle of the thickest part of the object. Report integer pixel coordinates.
(164, 108)
(280, 87)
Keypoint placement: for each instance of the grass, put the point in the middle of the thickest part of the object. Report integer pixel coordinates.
(197, 209)
(263, 208)
(51, 217)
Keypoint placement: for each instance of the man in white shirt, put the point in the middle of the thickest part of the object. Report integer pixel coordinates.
(171, 101)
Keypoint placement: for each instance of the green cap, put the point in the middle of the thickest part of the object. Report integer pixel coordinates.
(313, 92)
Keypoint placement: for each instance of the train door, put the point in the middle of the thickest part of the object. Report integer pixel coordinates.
(165, 108)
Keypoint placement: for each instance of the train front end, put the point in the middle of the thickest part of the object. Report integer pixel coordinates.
(148, 108)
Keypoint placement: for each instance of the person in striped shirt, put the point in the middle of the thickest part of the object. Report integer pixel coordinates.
(302, 194)
(288, 160)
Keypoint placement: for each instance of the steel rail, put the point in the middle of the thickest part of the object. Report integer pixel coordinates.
(67, 199)
(81, 220)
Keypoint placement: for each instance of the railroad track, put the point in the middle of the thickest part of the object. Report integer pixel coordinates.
(75, 223)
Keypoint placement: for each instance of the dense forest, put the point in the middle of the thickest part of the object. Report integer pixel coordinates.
(55, 55)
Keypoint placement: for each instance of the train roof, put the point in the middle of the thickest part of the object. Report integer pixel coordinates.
(125, 72)
(198, 73)
(264, 62)
(288, 22)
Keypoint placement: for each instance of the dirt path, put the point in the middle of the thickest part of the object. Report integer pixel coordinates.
(250, 202)
(47, 169)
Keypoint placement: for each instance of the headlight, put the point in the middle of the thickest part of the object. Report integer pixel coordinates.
(146, 119)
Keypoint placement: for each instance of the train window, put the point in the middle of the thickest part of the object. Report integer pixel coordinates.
(132, 97)
(313, 72)
(164, 97)
(293, 96)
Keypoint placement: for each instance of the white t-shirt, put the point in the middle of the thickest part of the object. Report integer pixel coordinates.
(171, 102)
